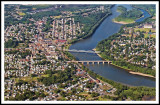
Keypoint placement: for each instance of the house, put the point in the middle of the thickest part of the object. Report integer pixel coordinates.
(147, 26)
(85, 14)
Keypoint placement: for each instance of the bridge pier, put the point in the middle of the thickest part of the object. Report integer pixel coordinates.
(93, 63)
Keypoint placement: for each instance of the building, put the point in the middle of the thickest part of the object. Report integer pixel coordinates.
(148, 26)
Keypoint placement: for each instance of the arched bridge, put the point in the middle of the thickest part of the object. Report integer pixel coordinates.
(93, 62)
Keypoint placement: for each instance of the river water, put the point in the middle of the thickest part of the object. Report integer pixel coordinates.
(106, 29)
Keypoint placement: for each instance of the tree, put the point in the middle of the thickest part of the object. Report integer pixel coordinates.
(62, 93)
(94, 94)
(11, 43)
(56, 91)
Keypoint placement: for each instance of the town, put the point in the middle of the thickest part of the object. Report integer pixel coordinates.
(39, 66)
(37, 51)
(144, 45)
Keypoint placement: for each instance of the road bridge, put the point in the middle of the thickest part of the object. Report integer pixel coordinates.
(87, 51)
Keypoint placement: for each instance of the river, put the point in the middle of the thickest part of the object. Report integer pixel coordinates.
(106, 29)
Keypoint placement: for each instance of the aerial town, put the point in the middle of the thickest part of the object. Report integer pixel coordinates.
(38, 67)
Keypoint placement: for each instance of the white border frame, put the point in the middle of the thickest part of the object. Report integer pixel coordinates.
(80, 2)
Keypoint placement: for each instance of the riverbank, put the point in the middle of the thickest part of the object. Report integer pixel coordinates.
(129, 70)
(138, 73)
(101, 33)
(92, 30)
(121, 22)
(126, 20)
(142, 9)
(135, 73)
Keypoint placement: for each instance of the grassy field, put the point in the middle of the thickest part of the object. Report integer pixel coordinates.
(144, 29)
(56, 17)
(125, 20)
(21, 13)
(84, 93)
(103, 99)
(30, 79)
(147, 35)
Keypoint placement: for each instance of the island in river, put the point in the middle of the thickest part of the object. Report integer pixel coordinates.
(127, 17)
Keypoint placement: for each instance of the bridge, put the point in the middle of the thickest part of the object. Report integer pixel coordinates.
(93, 62)
(87, 51)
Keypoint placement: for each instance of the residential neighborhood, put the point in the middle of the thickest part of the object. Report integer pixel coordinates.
(137, 45)
(76, 52)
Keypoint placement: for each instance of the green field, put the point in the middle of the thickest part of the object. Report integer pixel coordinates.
(21, 14)
(147, 35)
(103, 99)
(144, 29)
(125, 20)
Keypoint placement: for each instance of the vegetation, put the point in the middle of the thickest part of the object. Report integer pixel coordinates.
(25, 53)
(9, 20)
(128, 16)
(27, 94)
(91, 23)
(28, 8)
(105, 45)
(121, 9)
(124, 92)
(11, 43)
(58, 77)
(20, 82)
(89, 28)
(21, 13)
(47, 26)
(12, 52)
(69, 55)
(151, 8)
(68, 75)
(40, 15)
